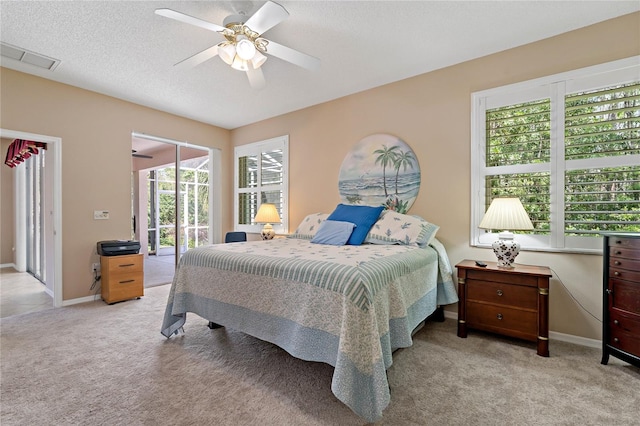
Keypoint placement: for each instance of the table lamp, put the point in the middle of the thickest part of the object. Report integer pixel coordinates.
(267, 214)
(506, 214)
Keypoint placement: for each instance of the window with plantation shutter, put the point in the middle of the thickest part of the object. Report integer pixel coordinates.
(568, 146)
(261, 171)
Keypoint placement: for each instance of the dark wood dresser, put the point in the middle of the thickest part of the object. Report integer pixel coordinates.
(621, 297)
(512, 302)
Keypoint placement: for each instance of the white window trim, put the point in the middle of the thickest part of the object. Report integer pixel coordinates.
(553, 87)
(257, 148)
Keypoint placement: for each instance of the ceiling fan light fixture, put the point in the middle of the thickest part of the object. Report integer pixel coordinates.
(245, 49)
(257, 60)
(239, 64)
(227, 52)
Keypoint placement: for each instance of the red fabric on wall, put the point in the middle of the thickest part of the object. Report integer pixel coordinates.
(20, 150)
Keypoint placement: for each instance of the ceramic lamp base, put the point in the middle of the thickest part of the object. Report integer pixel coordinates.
(267, 232)
(506, 250)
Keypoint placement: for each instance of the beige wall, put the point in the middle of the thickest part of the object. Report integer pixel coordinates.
(6, 207)
(96, 159)
(431, 113)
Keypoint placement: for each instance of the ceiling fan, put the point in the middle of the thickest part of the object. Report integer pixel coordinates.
(135, 154)
(244, 47)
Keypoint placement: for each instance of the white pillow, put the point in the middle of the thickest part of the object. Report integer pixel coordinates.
(396, 228)
(309, 226)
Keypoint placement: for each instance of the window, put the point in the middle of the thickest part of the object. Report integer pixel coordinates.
(569, 147)
(261, 176)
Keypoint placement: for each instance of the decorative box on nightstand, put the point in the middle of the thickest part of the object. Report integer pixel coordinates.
(513, 302)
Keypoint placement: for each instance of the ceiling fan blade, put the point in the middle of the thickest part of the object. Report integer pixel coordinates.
(293, 56)
(178, 16)
(256, 78)
(199, 58)
(134, 154)
(267, 17)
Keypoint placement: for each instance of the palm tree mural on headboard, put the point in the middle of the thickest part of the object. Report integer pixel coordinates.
(377, 165)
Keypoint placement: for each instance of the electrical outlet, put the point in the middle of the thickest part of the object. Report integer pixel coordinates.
(95, 267)
(101, 214)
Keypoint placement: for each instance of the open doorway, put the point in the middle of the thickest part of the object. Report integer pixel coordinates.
(172, 202)
(31, 225)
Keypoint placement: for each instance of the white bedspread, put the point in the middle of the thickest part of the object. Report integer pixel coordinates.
(349, 306)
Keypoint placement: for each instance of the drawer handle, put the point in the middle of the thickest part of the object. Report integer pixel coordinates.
(618, 252)
(616, 322)
(126, 264)
(618, 242)
(609, 291)
(499, 316)
(499, 292)
(616, 273)
(617, 263)
(126, 281)
(615, 339)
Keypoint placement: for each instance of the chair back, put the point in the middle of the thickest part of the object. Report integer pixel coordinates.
(235, 237)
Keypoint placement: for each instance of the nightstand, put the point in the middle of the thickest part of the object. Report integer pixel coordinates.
(513, 302)
(122, 277)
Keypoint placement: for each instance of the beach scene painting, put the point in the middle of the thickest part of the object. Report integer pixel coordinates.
(382, 170)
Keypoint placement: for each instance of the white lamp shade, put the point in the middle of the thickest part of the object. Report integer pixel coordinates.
(245, 49)
(227, 51)
(506, 214)
(267, 213)
(257, 60)
(239, 64)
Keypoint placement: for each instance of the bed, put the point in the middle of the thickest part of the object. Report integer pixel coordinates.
(349, 306)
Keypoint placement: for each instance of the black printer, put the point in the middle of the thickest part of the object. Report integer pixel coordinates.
(118, 247)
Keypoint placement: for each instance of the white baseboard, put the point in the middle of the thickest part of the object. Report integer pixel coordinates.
(8, 265)
(578, 340)
(553, 335)
(81, 300)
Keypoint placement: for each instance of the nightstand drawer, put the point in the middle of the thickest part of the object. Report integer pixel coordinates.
(124, 264)
(624, 274)
(617, 263)
(624, 341)
(126, 287)
(502, 294)
(503, 320)
(624, 253)
(624, 242)
(624, 321)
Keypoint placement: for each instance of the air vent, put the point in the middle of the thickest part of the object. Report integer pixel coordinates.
(31, 58)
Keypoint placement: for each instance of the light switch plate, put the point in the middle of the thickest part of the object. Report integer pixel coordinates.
(100, 214)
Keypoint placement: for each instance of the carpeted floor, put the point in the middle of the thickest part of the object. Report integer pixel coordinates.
(104, 364)
(158, 270)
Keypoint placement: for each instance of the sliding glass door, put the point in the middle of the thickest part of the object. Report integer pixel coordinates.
(34, 185)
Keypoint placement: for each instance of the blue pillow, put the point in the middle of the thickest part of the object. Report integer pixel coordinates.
(333, 232)
(362, 216)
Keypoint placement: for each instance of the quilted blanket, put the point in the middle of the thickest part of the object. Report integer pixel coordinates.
(348, 306)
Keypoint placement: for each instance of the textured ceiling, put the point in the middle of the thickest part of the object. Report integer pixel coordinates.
(123, 49)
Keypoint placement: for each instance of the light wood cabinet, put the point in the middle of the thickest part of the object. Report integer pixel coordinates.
(122, 277)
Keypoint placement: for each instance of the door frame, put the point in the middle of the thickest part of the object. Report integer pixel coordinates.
(54, 149)
(215, 189)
